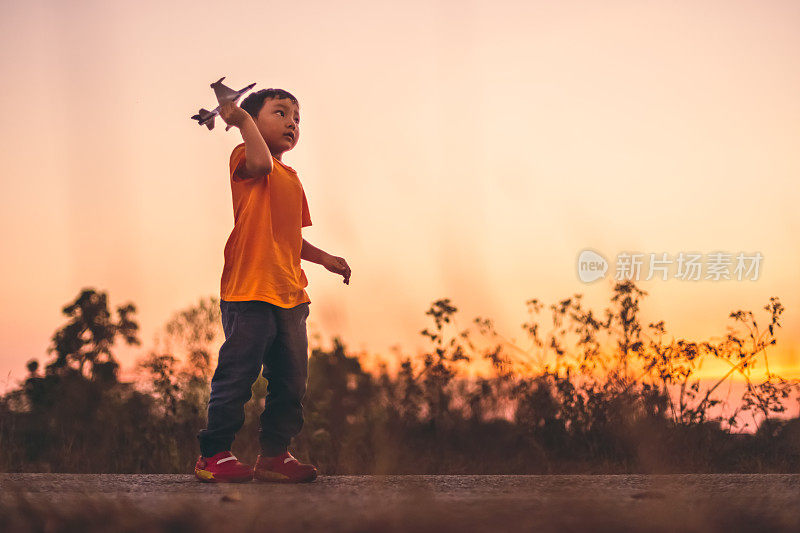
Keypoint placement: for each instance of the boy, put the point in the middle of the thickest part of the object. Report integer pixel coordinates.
(262, 297)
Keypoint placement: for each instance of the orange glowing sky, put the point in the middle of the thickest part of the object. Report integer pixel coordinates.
(467, 150)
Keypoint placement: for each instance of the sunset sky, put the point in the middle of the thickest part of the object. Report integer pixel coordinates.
(468, 150)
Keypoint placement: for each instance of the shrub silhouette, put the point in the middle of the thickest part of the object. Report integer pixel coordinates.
(591, 393)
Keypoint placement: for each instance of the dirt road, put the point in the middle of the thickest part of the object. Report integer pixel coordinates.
(111, 502)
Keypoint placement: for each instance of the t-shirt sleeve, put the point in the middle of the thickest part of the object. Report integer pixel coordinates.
(238, 170)
(306, 215)
(237, 163)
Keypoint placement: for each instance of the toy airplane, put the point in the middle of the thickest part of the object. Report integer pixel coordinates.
(224, 96)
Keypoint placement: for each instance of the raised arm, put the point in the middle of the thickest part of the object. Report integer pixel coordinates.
(258, 159)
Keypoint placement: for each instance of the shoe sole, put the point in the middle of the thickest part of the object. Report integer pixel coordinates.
(277, 477)
(208, 477)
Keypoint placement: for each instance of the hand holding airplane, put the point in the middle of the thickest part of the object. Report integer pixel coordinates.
(224, 95)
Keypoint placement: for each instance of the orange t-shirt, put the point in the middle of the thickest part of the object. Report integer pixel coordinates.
(262, 255)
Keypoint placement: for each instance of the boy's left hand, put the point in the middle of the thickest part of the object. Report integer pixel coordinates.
(337, 265)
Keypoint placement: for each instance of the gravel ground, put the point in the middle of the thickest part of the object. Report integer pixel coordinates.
(135, 502)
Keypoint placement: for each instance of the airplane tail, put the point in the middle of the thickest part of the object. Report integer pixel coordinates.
(205, 118)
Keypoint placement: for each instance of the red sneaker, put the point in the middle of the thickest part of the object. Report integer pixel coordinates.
(222, 468)
(284, 469)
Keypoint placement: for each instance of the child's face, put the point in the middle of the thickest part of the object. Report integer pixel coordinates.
(279, 124)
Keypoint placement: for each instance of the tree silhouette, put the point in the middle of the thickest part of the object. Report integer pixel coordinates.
(179, 367)
(85, 342)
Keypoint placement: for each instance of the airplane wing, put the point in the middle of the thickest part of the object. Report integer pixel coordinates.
(224, 94)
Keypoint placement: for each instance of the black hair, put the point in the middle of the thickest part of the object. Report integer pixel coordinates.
(255, 101)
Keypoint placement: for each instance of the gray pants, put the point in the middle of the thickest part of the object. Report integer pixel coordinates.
(258, 334)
